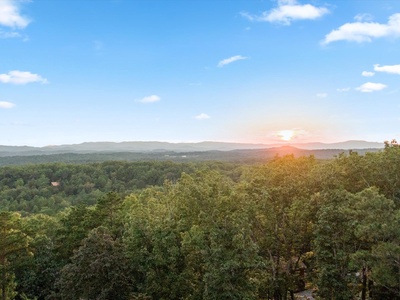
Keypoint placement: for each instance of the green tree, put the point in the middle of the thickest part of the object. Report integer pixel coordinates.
(98, 270)
(217, 239)
(356, 238)
(12, 241)
(36, 273)
(334, 244)
(277, 195)
(376, 225)
(75, 224)
(192, 240)
(108, 212)
(385, 267)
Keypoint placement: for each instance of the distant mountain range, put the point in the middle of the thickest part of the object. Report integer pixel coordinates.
(154, 147)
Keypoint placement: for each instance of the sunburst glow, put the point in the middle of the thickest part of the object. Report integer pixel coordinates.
(286, 135)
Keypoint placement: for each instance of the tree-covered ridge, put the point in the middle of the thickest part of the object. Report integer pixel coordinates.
(280, 227)
(234, 156)
(49, 188)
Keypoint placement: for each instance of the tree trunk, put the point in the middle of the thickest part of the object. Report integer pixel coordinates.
(370, 293)
(364, 284)
(3, 278)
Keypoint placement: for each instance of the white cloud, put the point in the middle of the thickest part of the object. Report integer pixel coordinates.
(343, 89)
(289, 11)
(202, 116)
(150, 99)
(371, 87)
(20, 77)
(230, 60)
(322, 95)
(365, 31)
(367, 74)
(394, 69)
(5, 104)
(10, 15)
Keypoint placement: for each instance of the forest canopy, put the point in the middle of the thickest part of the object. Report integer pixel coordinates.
(163, 230)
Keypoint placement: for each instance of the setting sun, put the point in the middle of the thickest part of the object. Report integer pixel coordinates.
(286, 135)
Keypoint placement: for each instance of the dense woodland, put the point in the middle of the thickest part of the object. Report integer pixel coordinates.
(164, 230)
(246, 156)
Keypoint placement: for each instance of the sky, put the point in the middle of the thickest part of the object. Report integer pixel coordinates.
(249, 71)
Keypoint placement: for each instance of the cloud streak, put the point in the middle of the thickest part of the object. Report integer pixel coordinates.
(394, 69)
(149, 99)
(367, 74)
(5, 104)
(365, 31)
(230, 60)
(202, 116)
(370, 87)
(10, 15)
(322, 95)
(9, 34)
(287, 12)
(21, 77)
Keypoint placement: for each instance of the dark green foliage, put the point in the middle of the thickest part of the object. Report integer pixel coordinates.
(192, 241)
(161, 230)
(50, 188)
(13, 243)
(108, 213)
(356, 242)
(282, 214)
(334, 243)
(74, 227)
(37, 273)
(98, 270)
(233, 156)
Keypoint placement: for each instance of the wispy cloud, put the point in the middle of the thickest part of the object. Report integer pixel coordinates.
(393, 69)
(149, 99)
(230, 60)
(9, 34)
(343, 89)
(364, 31)
(10, 15)
(202, 116)
(371, 87)
(21, 77)
(363, 18)
(287, 12)
(5, 104)
(367, 74)
(322, 95)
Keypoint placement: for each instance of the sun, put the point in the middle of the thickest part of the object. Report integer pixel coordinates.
(286, 135)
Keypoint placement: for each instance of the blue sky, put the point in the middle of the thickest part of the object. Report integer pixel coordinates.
(255, 71)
